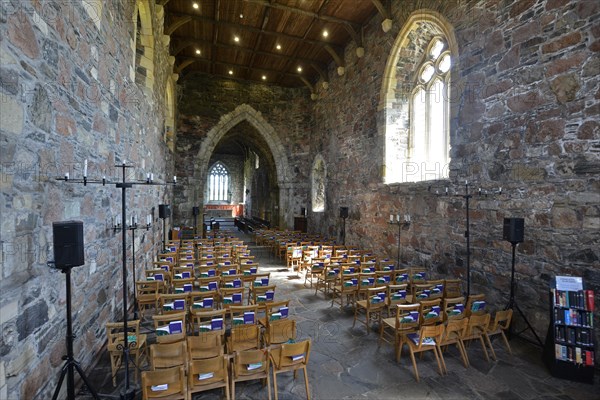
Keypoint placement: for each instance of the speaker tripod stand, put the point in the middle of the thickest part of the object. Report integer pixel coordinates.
(70, 363)
(512, 304)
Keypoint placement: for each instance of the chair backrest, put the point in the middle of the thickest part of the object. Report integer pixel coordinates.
(407, 317)
(452, 288)
(401, 276)
(208, 320)
(418, 275)
(430, 332)
(366, 281)
(165, 382)
(454, 308)
(476, 305)
(384, 278)
(501, 320)
(204, 300)
(170, 327)
(455, 328)
(397, 294)
(437, 289)
(376, 297)
(477, 324)
(294, 354)
(422, 291)
(281, 331)
(243, 315)
(263, 294)
(205, 345)
(207, 372)
(173, 303)
(431, 312)
(148, 287)
(167, 355)
(116, 337)
(232, 297)
(250, 363)
(277, 310)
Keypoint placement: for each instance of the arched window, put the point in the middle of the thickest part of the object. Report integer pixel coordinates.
(218, 183)
(429, 142)
(318, 176)
(416, 100)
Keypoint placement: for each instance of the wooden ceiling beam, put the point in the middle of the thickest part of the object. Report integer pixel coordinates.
(176, 24)
(306, 13)
(265, 21)
(252, 29)
(183, 43)
(190, 60)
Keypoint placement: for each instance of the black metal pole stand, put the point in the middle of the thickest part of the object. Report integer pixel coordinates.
(467, 196)
(132, 228)
(400, 225)
(70, 362)
(164, 239)
(128, 393)
(512, 304)
(344, 231)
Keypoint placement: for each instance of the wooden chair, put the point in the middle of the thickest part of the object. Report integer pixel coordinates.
(404, 323)
(245, 331)
(374, 304)
(313, 272)
(147, 293)
(165, 384)
(208, 374)
(401, 276)
(167, 355)
(428, 339)
(453, 334)
(250, 365)
(291, 357)
(205, 345)
(232, 297)
(261, 295)
(170, 327)
(204, 300)
(500, 324)
(136, 342)
(477, 330)
(346, 288)
(366, 281)
(173, 303)
(275, 311)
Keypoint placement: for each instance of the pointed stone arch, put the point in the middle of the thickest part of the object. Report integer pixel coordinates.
(245, 112)
(145, 61)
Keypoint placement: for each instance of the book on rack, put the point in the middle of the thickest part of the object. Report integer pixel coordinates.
(427, 341)
(159, 277)
(270, 295)
(179, 304)
(401, 278)
(238, 320)
(297, 357)
(186, 275)
(237, 283)
(175, 327)
(478, 305)
(159, 388)
(249, 317)
(187, 287)
(399, 295)
(207, 375)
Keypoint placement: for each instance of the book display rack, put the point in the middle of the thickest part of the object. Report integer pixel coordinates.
(570, 351)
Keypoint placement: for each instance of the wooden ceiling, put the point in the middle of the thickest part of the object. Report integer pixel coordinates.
(274, 37)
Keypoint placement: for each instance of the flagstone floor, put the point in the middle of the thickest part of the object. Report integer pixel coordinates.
(348, 363)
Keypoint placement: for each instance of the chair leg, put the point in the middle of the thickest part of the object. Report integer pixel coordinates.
(463, 353)
(487, 358)
(441, 357)
(440, 360)
(275, 384)
(414, 363)
(232, 389)
(268, 385)
(306, 383)
(506, 342)
(490, 344)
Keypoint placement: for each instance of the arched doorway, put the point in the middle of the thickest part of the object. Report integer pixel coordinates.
(248, 145)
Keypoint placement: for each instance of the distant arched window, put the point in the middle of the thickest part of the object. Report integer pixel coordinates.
(318, 176)
(429, 141)
(218, 183)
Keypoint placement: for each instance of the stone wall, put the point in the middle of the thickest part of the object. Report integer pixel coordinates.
(209, 107)
(66, 96)
(526, 120)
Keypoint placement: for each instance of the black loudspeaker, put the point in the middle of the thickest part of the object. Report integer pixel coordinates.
(343, 212)
(195, 210)
(514, 230)
(68, 244)
(164, 211)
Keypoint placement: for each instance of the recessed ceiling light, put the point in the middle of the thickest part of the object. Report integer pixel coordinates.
(196, 6)
(198, 51)
(278, 47)
(230, 72)
(236, 39)
(264, 77)
(241, 15)
(325, 33)
(299, 68)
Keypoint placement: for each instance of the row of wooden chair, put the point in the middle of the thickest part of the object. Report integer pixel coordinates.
(223, 371)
